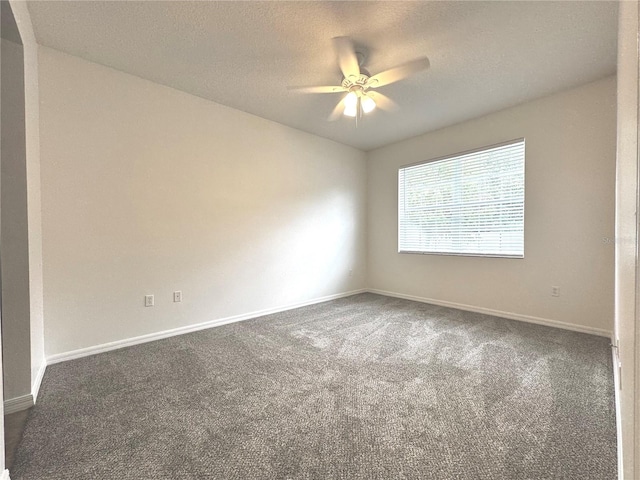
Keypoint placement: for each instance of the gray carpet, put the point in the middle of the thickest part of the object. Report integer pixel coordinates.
(365, 387)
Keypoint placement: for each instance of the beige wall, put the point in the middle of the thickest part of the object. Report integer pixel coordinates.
(570, 168)
(147, 190)
(34, 217)
(24, 339)
(14, 251)
(626, 307)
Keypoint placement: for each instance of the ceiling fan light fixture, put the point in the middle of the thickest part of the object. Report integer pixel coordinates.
(350, 110)
(368, 104)
(351, 100)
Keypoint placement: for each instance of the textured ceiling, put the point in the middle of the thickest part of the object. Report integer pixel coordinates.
(484, 56)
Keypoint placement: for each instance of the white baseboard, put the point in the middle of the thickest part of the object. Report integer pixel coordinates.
(5, 475)
(499, 313)
(616, 389)
(17, 404)
(127, 342)
(35, 388)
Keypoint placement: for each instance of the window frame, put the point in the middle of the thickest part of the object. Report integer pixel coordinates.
(460, 154)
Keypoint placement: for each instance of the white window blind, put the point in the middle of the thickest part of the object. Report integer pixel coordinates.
(466, 204)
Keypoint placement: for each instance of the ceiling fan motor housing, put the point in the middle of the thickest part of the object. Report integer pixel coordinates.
(356, 82)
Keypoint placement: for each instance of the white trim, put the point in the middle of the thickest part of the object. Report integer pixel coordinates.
(17, 404)
(127, 342)
(35, 388)
(616, 390)
(5, 475)
(150, 337)
(499, 313)
(23, 402)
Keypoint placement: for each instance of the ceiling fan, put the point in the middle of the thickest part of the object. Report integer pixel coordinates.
(357, 82)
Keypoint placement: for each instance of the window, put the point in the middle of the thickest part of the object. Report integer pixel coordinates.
(471, 203)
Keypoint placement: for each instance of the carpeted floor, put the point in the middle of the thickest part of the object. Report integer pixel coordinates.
(365, 387)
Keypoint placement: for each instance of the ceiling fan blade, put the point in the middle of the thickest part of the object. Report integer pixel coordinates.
(319, 89)
(335, 115)
(398, 73)
(383, 102)
(347, 58)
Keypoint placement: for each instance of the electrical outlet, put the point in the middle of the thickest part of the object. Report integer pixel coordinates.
(555, 291)
(351, 273)
(148, 300)
(177, 296)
